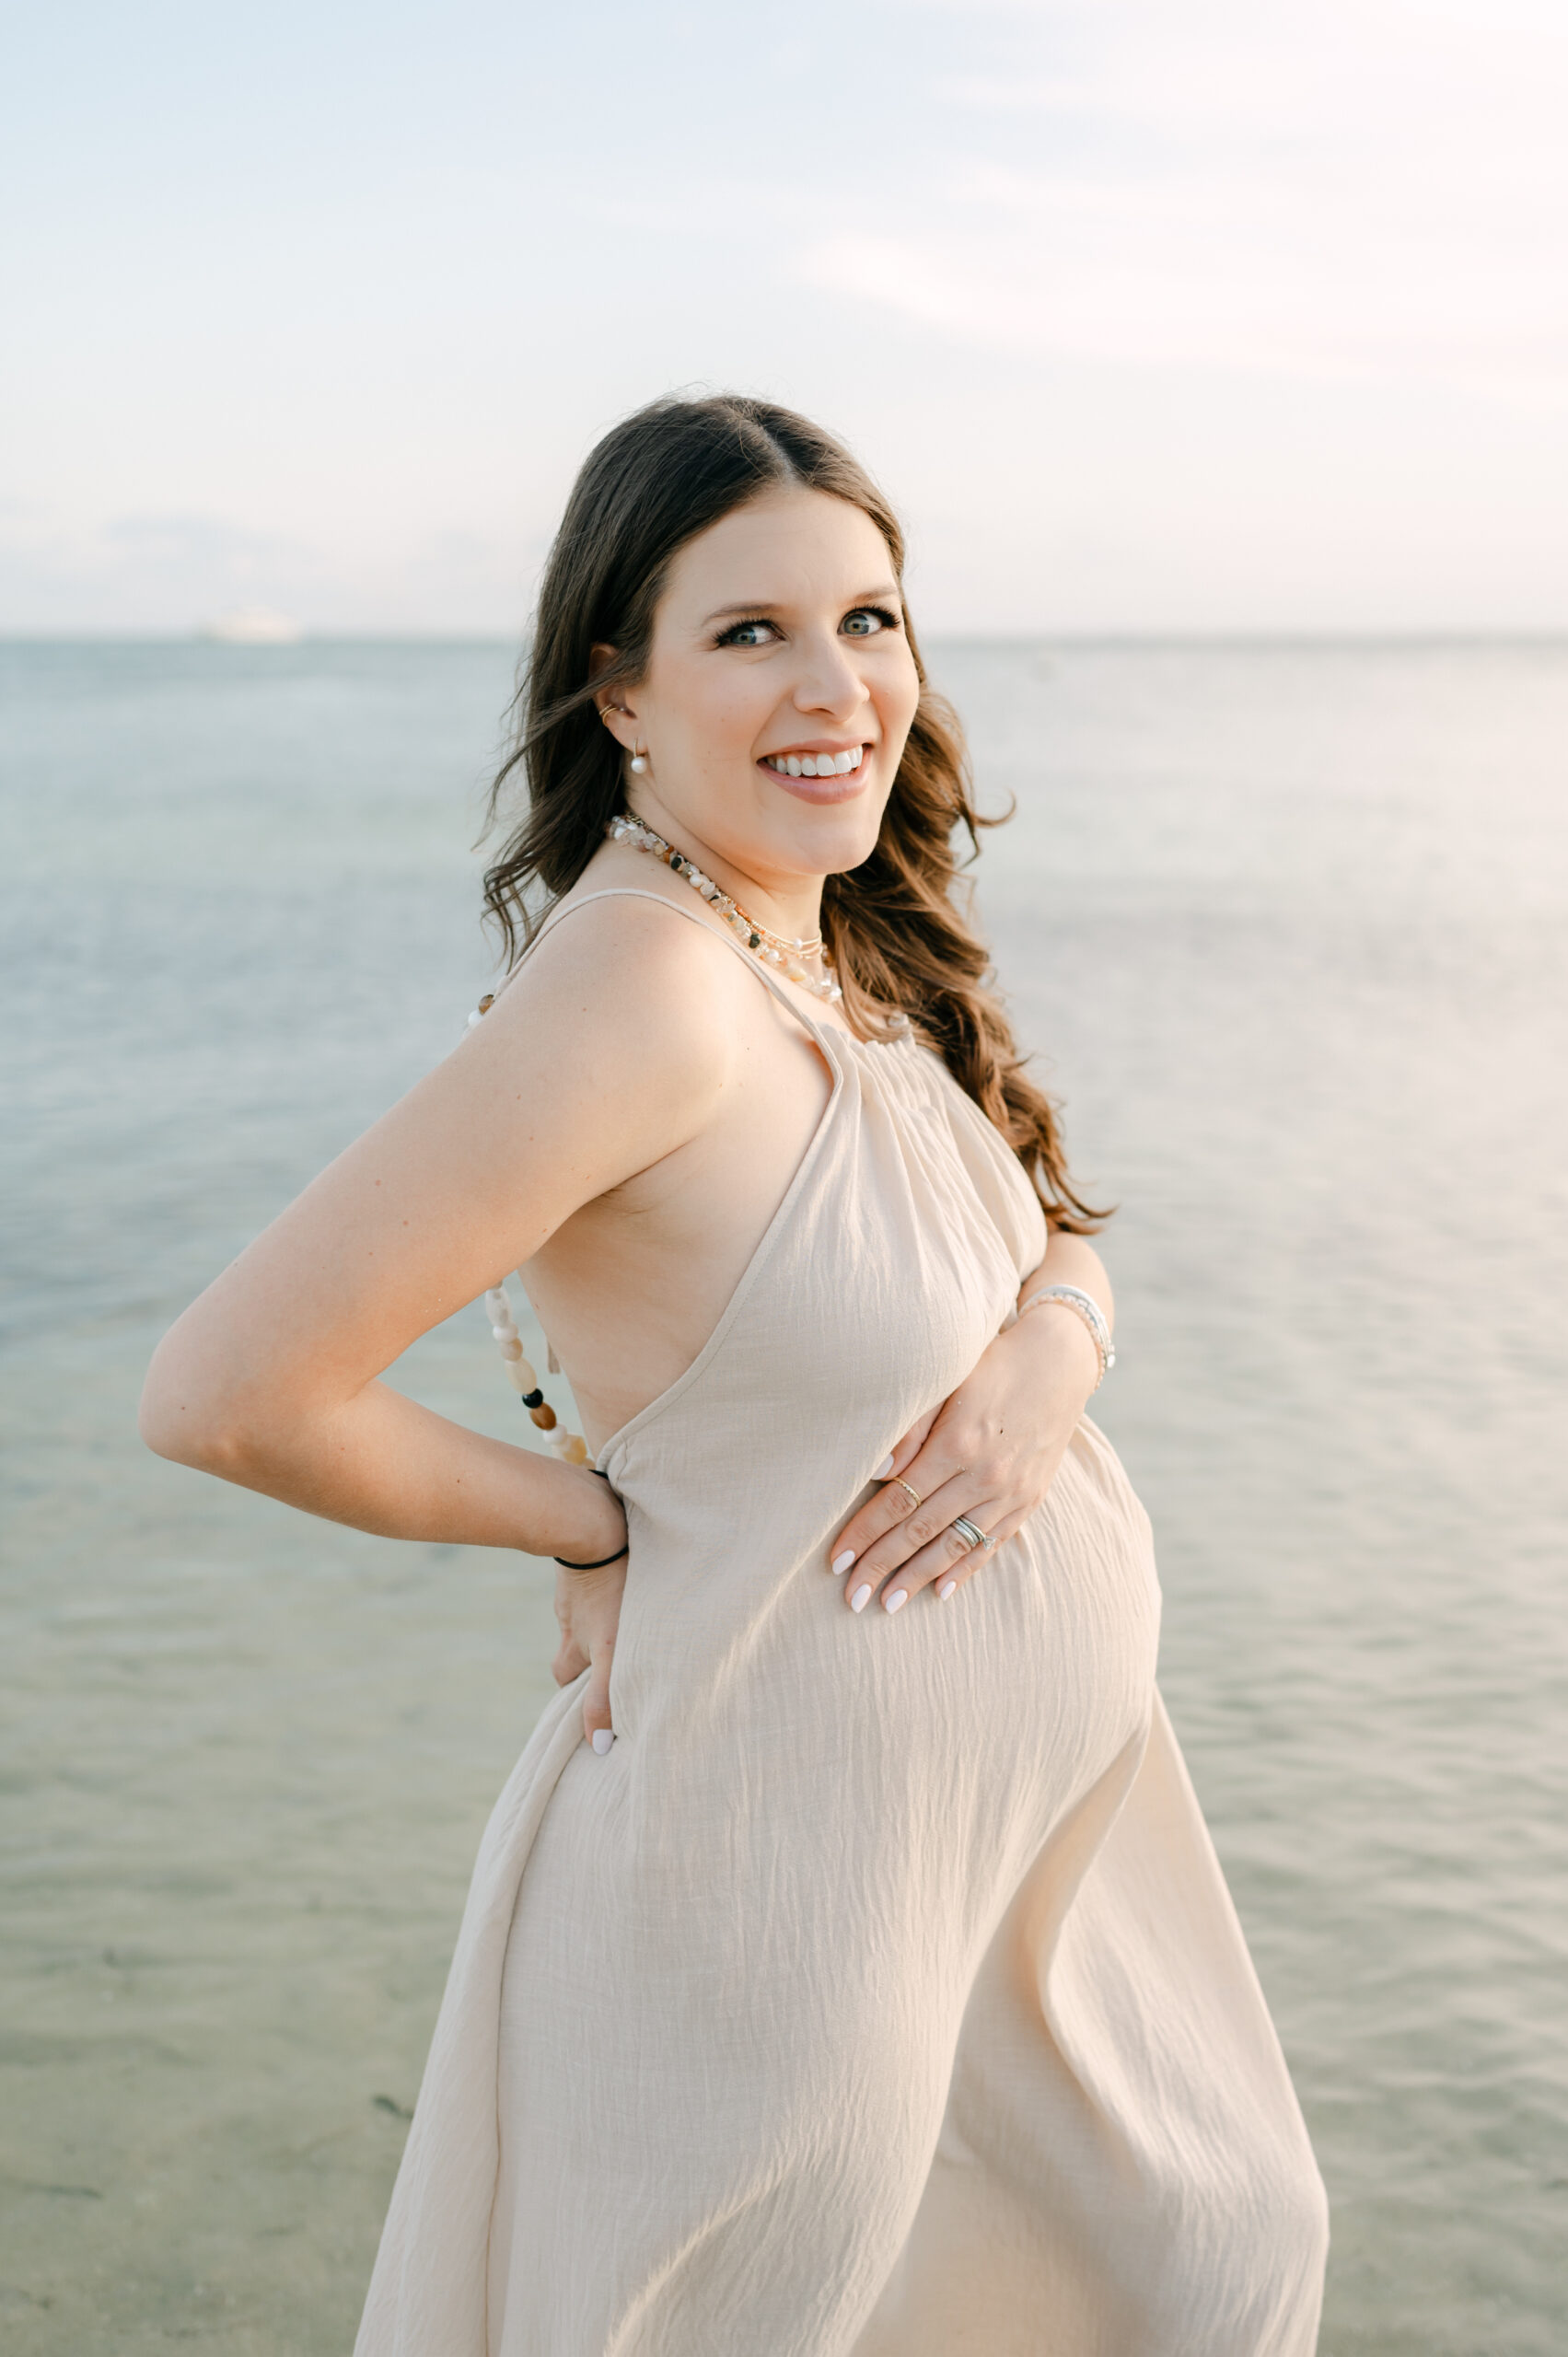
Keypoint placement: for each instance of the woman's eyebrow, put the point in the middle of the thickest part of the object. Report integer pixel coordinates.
(765, 607)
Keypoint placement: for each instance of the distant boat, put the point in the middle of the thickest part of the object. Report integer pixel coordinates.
(253, 626)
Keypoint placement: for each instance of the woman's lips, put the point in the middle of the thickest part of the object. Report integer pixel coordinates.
(818, 789)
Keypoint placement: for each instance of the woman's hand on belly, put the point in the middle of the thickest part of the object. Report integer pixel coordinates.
(990, 1452)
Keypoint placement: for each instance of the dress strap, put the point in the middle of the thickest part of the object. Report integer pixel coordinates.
(637, 893)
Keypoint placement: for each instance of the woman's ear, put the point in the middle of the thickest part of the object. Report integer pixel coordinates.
(602, 659)
(617, 713)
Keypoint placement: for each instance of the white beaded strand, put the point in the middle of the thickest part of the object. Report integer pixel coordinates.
(570, 1447)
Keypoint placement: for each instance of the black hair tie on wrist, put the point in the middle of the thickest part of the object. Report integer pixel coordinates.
(603, 1559)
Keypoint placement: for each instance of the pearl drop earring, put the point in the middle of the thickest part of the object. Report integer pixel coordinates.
(639, 759)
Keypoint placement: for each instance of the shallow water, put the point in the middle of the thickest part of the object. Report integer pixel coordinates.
(1289, 925)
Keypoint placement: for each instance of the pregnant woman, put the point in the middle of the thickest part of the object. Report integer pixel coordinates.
(847, 1971)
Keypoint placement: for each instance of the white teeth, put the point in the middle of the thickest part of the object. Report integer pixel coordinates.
(816, 764)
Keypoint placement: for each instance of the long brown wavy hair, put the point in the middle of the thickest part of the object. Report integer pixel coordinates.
(892, 926)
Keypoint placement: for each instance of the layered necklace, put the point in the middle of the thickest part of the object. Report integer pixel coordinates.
(772, 949)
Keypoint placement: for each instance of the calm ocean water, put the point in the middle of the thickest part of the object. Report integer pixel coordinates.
(1291, 927)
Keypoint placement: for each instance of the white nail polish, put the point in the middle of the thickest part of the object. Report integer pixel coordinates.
(860, 1599)
(842, 1562)
(945, 1587)
(883, 1469)
(603, 1738)
(899, 1595)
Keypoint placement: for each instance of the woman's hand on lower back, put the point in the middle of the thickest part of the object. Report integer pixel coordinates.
(587, 1609)
(989, 1452)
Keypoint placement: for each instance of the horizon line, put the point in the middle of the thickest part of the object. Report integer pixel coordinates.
(1462, 635)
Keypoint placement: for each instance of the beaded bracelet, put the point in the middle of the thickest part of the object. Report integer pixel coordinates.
(1084, 1303)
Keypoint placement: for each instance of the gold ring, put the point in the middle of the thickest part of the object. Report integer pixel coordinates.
(896, 1481)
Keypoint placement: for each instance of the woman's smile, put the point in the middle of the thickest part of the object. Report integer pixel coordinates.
(819, 771)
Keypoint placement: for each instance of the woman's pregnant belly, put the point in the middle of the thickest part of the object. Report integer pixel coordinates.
(799, 1795)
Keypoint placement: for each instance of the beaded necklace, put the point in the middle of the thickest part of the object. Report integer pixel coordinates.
(570, 1447)
(772, 949)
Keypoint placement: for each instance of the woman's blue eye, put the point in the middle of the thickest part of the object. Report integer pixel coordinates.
(866, 622)
(746, 635)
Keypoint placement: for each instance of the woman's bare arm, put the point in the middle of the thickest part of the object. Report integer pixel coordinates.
(606, 1055)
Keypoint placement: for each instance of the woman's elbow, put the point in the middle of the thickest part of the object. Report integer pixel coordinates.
(193, 1420)
(184, 1431)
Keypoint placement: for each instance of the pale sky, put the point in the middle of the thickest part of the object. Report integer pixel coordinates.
(1176, 316)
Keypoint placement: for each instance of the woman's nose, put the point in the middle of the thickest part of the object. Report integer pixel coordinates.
(832, 680)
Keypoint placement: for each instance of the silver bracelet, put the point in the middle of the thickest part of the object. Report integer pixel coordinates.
(1084, 1303)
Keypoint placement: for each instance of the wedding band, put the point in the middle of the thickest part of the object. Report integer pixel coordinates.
(969, 1531)
(895, 1482)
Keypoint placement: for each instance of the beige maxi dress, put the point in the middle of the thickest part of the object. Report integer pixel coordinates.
(879, 1993)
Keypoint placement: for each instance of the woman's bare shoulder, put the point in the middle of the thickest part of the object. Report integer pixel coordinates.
(630, 981)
